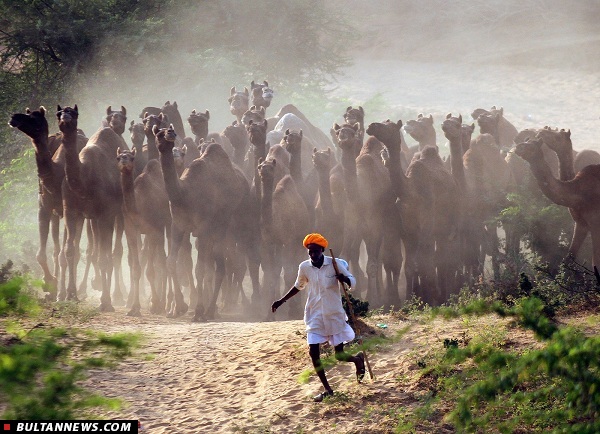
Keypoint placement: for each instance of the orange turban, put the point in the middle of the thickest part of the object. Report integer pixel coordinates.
(315, 239)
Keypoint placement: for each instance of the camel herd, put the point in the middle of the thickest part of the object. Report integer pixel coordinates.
(246, 196)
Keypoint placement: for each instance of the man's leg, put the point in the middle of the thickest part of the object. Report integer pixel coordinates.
(315, 356)
(358, 359)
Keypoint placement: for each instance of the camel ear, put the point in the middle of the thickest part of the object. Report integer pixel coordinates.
(207, 114)
(118, 151)
(261, 160)
(133, 152)
(43, 111)
(246, 91)
(132, 123)
(336, 127)
(184, 149)
(274, 162)
(420, 115)
(431, 117)
(399, 123)
(264, 122)
(449, 115)
(124, 110)
(232, 91)
(348, 109)
(460, 119)
(287, 132)
(361, 109)
(76, 109)
(109, 110)
(193, 111)
(161, 116)
(262, 110)
(175, 104)
(234, 123)
(328, 150)
(314, 150)
(265, 83)
(252, 85)
(300, 133)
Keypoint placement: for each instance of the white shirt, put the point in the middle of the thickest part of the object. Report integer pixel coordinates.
(323, 313)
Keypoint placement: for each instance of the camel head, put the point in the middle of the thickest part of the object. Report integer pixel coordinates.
(488, 123)
(125, 160)
(523, 135)
(346, 135)
(292, 141)
(150, 121)
(257, 132)
(237, 135)
(199, 123)
(255, 114)
(32, 123)
(266, 169)
(387, 132)
(421, 128)
(452, 126)
(262, 94)
(239, 102)
(116, 119)
(204, 144)
(466, 132)
(165, 138)
(557, 140)
(136, 133)
(67, 118)
(478, 112)
(354, 115)
(530, 150)
(322, 160)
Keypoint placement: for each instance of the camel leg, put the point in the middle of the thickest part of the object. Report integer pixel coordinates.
(72, 221)
(176, 241)
(219, 260)
(55, 231)
(117, 258)
(62, 258)
(579, 234)
(186, 264)
(132, 236)
(44, 217)
(103, 232)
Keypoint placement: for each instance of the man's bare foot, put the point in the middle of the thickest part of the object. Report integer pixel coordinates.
(321, 396)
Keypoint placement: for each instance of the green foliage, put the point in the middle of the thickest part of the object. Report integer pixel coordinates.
(545, 227)
(549, 388)
(42, 369)
(18, 207)
(359, 307)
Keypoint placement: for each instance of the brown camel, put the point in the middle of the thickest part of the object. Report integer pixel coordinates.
(284, 223)
(580, 194)
(203, 201)
(356, 115)
(170, 112)
(92, 190)
(426, 203)
(199, 124)
(138, 136)
(254, 114)
(421, 130)
(493, 122)
(51, 175)
(262, 94)
(560, 143)
(239, 102)
(238, 137)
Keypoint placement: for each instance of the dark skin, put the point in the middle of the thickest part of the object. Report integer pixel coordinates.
(315, 253)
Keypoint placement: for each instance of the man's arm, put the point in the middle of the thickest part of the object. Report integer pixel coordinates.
(293, 291)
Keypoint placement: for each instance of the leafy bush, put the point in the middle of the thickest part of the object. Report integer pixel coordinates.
(42, 366)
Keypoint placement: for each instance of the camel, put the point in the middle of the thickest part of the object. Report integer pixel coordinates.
(203, 201)
(262, 94)
(51, 175)
(560, 143)
(580, 194)
(238, 137)
(199, 124)
(254, 114)
(354, 115)
(493, 122)
(421, 130)
(427, 197)
(170, 112)
(138, 135)
(91, 190)
(284, 223)
(239, 102)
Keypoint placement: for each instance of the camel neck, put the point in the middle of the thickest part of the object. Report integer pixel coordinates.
(72, 162)
(296, 167)
(429, 139)
(152, 149)
(456, 162)
(398, 179)
(566, 170)
(266, 204)
(167, 164)
(557, 191)
(127, 187)
(348, 160)
(325, 198)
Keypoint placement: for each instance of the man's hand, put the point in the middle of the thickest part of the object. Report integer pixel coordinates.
(343, 278)
(276, 305)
